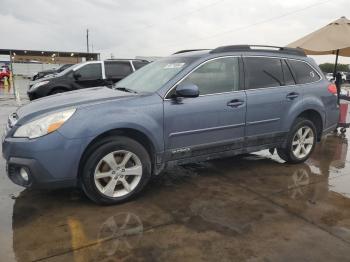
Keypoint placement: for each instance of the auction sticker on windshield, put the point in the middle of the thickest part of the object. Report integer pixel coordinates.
(174, 65)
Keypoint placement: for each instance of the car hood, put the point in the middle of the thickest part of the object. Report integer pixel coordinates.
(48, 71)
(45, 78)
(71, 99)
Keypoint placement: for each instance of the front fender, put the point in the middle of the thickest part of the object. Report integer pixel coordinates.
(92, 122)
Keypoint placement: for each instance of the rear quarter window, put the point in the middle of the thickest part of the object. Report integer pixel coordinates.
(303, 72)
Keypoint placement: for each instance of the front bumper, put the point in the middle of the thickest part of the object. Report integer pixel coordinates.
(38, 92)
(34, 94)
(31, 96)
(52, 161)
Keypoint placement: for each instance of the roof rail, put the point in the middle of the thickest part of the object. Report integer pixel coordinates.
(126, 59)
(189, 50)
(266, 48)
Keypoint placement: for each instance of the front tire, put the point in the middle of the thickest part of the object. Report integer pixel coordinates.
(301, 142)
(115, 170)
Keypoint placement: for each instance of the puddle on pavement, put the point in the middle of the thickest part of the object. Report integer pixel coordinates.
(217, 199)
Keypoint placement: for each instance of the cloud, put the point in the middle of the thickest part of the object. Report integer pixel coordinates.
(159, 27)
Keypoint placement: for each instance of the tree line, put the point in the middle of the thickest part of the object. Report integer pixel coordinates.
(329, 67)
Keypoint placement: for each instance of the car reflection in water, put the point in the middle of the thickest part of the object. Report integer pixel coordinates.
(116, 232)
(226, 196)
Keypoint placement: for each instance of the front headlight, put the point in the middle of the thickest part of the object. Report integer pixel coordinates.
(40, 84)
(44, 125)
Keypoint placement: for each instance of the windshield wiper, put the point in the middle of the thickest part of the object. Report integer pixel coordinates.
(125, 89)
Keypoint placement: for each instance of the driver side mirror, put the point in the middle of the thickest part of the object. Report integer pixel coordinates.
(187, 90)
(76, 75)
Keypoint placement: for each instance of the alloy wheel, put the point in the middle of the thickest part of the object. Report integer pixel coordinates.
(303, 141)
(118, 173)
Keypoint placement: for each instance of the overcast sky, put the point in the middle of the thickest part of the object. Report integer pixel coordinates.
(161, 27)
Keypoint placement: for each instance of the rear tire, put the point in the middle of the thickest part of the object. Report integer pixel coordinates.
(301, 141)
(115, 170)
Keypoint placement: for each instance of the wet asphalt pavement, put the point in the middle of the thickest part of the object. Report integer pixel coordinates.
(246, 208)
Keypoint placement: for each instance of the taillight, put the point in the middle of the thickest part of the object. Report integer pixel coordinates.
(332, 89)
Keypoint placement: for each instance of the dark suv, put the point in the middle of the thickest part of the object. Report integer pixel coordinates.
(83, 75)
(191, 106)
(44, 73)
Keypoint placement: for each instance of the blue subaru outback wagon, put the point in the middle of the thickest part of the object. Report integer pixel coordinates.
(195, 105)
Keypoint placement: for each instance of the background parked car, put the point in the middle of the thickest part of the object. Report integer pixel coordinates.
(329, 76)
(344, 75)
(51, 71)
(348, 77)
(84, 75)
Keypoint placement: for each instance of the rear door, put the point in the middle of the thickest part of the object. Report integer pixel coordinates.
(271, 92)
(117, 70)
(214, 121)
(89, 75)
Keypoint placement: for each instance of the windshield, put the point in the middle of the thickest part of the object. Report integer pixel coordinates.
(69, 69)
(154, 75)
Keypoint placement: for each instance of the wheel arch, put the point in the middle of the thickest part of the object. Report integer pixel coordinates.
(316, 117)
(135, 134)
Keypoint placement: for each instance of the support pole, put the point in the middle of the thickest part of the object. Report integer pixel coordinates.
(337, 80)
(87, 40)
(13, 76)
(336, 63)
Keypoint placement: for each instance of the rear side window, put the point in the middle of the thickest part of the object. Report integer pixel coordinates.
(287, 74)
(117, 69)
(303, 72)
(90, 72)
(139, 64)
(263, 72)
(216, 76)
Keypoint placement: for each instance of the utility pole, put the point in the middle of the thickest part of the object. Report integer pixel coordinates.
(87, 40)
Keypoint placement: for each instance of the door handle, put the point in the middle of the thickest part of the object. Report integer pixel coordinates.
(235, 103)
(292, 96)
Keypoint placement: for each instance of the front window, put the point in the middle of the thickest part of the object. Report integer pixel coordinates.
(90, 72)
(69, 69)
(153, 76)
(216, 76)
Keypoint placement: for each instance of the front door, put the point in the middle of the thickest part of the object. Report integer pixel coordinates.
(271, 92)
(214, 121)
(89, 75)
